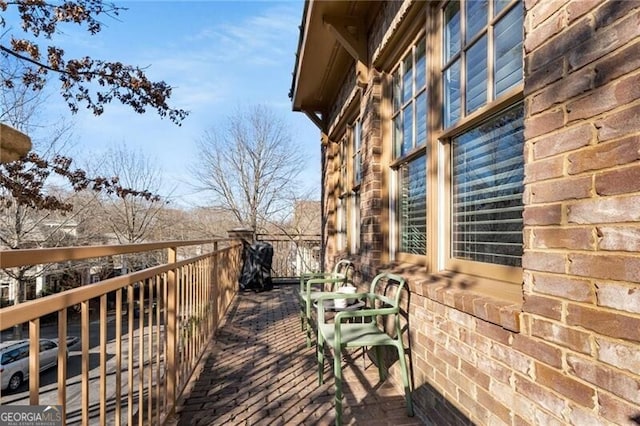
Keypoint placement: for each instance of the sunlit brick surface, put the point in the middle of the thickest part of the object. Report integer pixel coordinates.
(260, 372)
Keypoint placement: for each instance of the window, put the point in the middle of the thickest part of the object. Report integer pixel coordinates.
(355, 136)
(409, 107)
(341, 213)
(341, 224)
(356, 140)
(354, 227)
(482, 54)
(487, 168)
(413, 206)
(482, 63)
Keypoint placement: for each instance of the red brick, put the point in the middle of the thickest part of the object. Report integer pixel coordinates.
(561, 189)
(542, 215)
(583, 416)
(617, 411)
(561, 91)
(603, 41)
(565, 385)
(493, 406)
(548, 168)
(515, 360)
(604, 99)
(614, 10)
(623, 385)
(544, 76)
(493, 369)
(494, 332)
(475, 375)
(567, 238)
(543, 32)
(620, 297)
(545, 262)
(478, 413)
(540, 396)
(618, 354)
(510, 317)
(605, 155)
(619, 124)
(538, 350)
(606, 323)
(542, 124)
(605, 210)
(447, 356)
(618, 64)
(565, 287)
(577, 9)
(608, 266)
(620, 181)
(543, 10)
(553, 332)
(619, 238)
(562, 44)
(568, 139)
(543, 306)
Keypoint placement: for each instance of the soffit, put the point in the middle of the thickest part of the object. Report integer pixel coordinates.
(321, 60)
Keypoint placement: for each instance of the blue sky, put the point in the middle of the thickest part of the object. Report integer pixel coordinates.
(218, 55)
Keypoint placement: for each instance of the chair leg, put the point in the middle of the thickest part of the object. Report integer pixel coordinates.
(405, 379)
(320, 355)
(308, 322)
(381, 373)
(337, 372)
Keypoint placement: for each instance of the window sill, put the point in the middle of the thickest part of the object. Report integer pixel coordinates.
(456, 292)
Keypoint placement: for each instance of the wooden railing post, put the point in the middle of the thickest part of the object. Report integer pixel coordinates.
(172, 332)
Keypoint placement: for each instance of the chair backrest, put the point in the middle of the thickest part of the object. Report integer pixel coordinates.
(342, 267)
(385, 277)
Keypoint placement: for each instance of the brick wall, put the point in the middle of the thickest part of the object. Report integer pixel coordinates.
(570, 354)
(582, 214)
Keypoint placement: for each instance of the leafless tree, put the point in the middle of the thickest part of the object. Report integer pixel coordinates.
(251, 166)
(130, 219)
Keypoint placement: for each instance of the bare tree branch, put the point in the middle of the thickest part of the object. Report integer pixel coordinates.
(251, 166)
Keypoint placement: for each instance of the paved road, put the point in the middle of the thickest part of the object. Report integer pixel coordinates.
(48, 378)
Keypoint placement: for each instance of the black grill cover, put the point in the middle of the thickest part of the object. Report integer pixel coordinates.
(256, 268)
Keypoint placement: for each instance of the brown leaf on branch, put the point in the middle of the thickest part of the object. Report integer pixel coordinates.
(115, 81)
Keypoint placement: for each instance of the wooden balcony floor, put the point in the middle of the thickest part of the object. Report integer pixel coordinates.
(259, 371)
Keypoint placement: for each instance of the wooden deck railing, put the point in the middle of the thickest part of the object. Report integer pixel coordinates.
(141, 334)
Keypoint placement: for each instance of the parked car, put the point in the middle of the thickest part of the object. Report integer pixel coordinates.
(14, 361)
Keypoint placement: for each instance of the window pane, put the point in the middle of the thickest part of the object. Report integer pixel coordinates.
(421, 65)
(477, 12)
(413, 206)
(498, 5)
(487, 183)
(397, 136)
(396, 93)
(508, 51)
(357, 158)
(421, 119)
(407, 79)
(452, 94)
(477, 75)
(407, 130)
(451, 30)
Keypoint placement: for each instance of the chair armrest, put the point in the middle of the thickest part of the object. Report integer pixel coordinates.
(311, 275)
(364, 313)
(328, 280)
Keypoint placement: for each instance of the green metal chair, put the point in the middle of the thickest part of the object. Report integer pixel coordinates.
(314, 284)
(367, 333)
